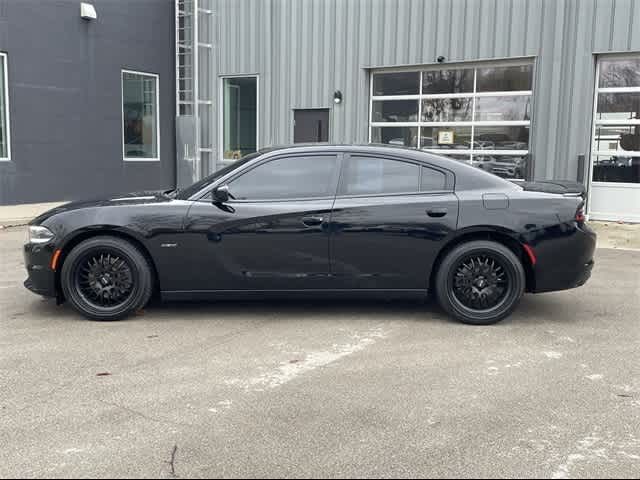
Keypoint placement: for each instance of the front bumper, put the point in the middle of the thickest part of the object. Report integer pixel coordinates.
(41, 278)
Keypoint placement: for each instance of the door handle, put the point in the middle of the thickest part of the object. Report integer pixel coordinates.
(312, 221)
(437, 212)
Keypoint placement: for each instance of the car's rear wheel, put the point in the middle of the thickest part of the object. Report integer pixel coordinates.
(480, 282)
(106, 278)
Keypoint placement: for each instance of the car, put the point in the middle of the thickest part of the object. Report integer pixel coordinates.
(321, 221)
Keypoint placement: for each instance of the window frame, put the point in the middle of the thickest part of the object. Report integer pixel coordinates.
(449, 177)
(333, 182)
(4, 57)
(158, 142)
(420, 96)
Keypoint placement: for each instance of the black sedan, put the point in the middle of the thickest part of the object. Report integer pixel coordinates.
(318, 221)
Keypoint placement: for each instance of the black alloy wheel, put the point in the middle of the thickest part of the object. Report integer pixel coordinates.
(480, 282)
(106, 278)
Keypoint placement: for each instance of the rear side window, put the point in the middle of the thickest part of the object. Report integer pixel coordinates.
(290, 177)
(373, 176)
(432, 180)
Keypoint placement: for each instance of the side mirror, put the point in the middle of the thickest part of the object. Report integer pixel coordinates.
(221, 194)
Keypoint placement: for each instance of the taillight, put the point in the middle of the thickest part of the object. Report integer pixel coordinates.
(580, 217)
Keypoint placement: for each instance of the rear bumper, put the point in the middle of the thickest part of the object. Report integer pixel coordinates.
(565, 259)
(41, 279)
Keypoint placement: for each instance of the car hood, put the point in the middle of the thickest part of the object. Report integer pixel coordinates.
(134, 198)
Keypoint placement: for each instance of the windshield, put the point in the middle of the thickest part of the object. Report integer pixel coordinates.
(191, 190)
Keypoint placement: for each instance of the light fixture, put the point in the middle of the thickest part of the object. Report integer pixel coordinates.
(88, 11)
(337, 97)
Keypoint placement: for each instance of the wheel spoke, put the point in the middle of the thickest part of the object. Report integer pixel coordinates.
(480, 282)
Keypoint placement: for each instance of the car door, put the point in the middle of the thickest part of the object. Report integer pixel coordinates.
(390, 218)
(272, 234)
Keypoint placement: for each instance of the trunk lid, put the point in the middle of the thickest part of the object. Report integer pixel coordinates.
(562, 187)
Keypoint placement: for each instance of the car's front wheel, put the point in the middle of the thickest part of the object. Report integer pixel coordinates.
(106, 278)
(480, 282)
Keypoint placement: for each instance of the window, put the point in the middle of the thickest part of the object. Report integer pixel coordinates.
(432, 180)
(140, 116)
(239, 117)
(616, 142)
(480, 115)
(290, 177)
(5, 152)
(373, 176)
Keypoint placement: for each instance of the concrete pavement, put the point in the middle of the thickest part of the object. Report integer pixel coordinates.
(323, 389)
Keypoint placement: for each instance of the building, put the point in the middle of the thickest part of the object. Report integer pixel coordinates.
(527, 89)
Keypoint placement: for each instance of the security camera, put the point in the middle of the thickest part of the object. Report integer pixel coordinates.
(441, 59)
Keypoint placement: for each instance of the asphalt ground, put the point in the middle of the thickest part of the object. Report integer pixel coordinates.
(323, 389)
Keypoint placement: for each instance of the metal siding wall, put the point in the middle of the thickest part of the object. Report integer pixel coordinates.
(304, 50)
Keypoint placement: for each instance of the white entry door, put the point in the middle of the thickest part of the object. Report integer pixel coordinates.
(615, 152)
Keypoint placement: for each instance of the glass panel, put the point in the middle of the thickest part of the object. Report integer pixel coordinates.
(618, 106)
(3, 113)
(291, 177)
(617, 137)
(405, 83)
(240, 117)
(620, 72)
(370, 176)
(501, 109)
(139, 115)
(502, 79)
(507, 166)
(501, 138)
(615, 168)
(447, 110)
(432, 180)
(407, 136)
(446, 137)
(395, 111)
(447, 81)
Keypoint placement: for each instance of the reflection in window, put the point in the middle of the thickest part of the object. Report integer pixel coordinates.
(500, 109)
(619, 73)
(4, 111)
(395, 111)
(140, 115)
(291, 177)
(399, 136)
(616, 168)
(503, 79)
(405, 83)
(432, 180)
(371, 176)
(509, 166)
(447, 81)
(447, 110)
(239, 117)
(503, 137)
(618, 106)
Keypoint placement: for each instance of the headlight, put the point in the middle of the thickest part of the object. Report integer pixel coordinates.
(37, 234)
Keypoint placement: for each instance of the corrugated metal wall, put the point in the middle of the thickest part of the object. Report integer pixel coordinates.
(304, 50)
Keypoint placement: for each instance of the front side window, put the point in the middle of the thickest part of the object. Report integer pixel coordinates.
(477, 114)
(4, 109)
(287, 178)
(140, 116)
(376, 176)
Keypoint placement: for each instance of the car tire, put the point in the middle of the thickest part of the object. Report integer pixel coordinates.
(480, 282)
(106, 278)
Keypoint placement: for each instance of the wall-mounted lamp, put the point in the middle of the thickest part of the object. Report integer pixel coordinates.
(337, 97)
(88, 11)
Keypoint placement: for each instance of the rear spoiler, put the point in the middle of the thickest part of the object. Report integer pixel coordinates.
(567, 188)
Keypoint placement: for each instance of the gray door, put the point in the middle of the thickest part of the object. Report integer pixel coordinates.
(311, 126)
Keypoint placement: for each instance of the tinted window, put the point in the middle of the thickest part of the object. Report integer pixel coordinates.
(432, 180)
(291, 177)
(370, 176)
(406, 83)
